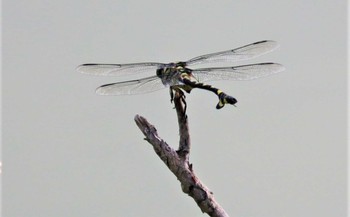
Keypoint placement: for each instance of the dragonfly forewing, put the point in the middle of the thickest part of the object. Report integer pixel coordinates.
(119, 69)
(242, 53)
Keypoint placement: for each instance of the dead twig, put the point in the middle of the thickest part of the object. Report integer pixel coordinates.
(178, 160)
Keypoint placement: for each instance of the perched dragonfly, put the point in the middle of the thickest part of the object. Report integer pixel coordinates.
(178, 76)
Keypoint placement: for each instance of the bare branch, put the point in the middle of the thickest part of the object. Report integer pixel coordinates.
(178, 161)
(185, 142)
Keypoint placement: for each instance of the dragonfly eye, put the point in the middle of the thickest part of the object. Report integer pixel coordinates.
(160, 72)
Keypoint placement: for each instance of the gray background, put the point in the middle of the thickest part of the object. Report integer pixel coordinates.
(69, 152)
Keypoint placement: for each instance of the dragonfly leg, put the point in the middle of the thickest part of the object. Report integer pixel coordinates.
(177, 90)
(174, 89)
(223, 97)
(171, 90)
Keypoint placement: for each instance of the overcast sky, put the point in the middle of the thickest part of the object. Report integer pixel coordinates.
(69, 152)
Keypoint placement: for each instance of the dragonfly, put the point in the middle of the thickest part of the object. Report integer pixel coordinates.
(181, 76)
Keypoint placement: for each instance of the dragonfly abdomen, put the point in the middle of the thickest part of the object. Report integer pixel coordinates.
(223, 97)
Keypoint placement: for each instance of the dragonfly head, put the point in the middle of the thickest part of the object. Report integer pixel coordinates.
(180, 64)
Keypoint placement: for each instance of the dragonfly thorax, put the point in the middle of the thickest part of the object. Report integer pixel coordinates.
(171, 67)
(170, 74)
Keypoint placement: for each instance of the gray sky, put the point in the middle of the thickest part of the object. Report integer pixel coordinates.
(70, 152)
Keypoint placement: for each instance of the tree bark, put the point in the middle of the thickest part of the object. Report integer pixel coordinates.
(178, 160)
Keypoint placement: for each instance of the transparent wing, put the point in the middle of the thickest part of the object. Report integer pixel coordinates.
(144, 85)
(242, 53)
(118, 69)
(244, 72)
